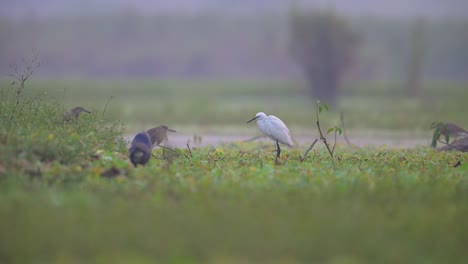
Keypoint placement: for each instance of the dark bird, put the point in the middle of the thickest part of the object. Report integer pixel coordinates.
(450, 129)
(158, 134)
(74, 113)
(140, 149)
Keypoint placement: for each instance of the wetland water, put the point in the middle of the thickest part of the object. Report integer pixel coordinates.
(396, 142)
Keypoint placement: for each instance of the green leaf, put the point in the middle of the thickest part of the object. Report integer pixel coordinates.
(325, 106)
(340, 130)
(435, 137)
(330, 130)
(320, 109)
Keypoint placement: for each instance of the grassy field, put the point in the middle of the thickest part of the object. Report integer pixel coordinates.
(232, 205)
(208, 105)
(68, 193)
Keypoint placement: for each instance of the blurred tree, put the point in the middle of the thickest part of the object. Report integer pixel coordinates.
(324, 46)
(416, 58)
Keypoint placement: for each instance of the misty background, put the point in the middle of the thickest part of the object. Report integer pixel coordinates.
(207, 66)
(216, 39)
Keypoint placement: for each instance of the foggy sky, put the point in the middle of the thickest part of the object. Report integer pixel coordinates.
(394, 8)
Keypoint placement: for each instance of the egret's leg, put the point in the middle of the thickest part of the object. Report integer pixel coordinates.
(278, 150)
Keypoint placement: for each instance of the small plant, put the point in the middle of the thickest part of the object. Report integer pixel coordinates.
(321, 106)
(445, 129)
(438, 128)
(20, 75)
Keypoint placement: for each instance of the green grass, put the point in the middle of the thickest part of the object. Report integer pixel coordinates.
(229, 204)
(232, 205)
(368, 106)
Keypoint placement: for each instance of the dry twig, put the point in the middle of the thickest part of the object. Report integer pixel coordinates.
(309, 149)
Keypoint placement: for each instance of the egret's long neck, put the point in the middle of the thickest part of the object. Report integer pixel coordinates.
(260, 122)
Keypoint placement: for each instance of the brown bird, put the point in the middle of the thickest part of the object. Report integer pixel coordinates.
(158, 134)
(74, 113)
(450, 129)
(140, 149)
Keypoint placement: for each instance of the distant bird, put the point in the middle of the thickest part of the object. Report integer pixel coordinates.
(140, 149)
(274, 128)
(74, 113)
(158, 134)
(450, 129)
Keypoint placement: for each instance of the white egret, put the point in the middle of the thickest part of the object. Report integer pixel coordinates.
(274, 128)
(140, 149)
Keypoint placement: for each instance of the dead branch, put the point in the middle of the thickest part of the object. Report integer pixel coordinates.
(309, 149)
(344, 129)
(107, 103)
(190, 151)
(322, 138)
(450, 145)
(334, 143)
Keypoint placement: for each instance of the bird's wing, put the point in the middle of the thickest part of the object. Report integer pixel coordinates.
(279, 131)
(157, 134)
(455, 128)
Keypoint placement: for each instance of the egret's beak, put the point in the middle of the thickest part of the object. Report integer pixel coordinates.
(171, 130)
(255, 118)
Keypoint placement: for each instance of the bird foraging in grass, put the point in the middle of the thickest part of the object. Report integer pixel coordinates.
(74, 113)
(275, 129)
(140, 149)
(450, 129)
(158, 134)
